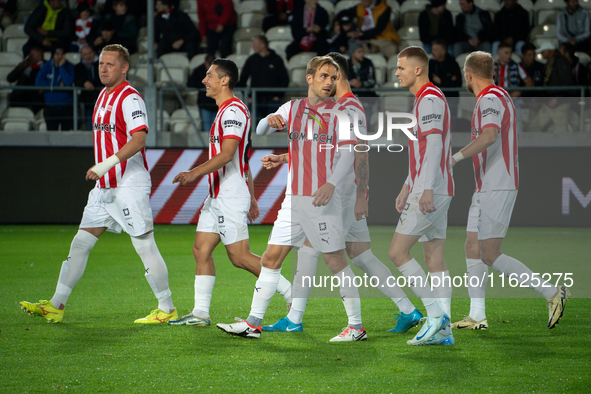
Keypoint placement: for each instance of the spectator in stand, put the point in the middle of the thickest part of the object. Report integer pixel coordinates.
(579, 71)
(339, 37)
(266, 70)
(554, 114)
(444, 71)
(217, 22)
(86, 75)
(279, 12)
(572, 26)
(362, 73)
(125, 24)
(49, 26)
(507, 73)
(207, 106)
(474, 30)
(25, 74)
(374, 26)
(308, 28)
(7, 12)
(436, 22)
(511, 26)
(58, 72)
(532, 67)
(174, 31)
(86, 29)
(107, 35)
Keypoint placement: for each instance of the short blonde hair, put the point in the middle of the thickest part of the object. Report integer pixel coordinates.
(317, 62)
(120, 49)
(481, 64)
(418, 53)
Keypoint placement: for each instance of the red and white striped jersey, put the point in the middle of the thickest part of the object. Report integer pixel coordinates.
(311, 162)
(348, 186)
(117, 115)
(497, 167)
(231, 121)
(433, 116)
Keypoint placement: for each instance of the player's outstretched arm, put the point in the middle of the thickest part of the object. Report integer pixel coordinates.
(253, 212)
(133, 146)
(362, 180)
(272, 161)
(480, 144)
(229, 146)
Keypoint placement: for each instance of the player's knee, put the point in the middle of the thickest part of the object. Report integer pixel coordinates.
(472, 248)
(395, 256)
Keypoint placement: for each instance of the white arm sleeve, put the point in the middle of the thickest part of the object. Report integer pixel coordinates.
(433, 158)
(263, 127)
(343, 167)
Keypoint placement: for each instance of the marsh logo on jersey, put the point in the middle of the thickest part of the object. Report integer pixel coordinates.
(137, 114)
(232, 123)
(105, 127)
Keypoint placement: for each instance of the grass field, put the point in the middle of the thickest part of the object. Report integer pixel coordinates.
(98, 348)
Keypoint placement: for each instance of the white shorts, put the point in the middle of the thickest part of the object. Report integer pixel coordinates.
(298, 219)
(119, 209)
(494, 213)
(281, 233)
(226, 217)
(355, 230)
(473, 214)
(431, 226)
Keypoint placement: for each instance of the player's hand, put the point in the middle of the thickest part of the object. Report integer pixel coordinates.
(401, 199)
(185, 177)
(323, 195)
(361, 209)
(276, 122)
(272, 161)
(426, 202)
(91, 175)
(253, 212)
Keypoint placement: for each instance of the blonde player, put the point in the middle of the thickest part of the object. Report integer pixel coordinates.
(312, 207)
(354, 192)
(225, 212)
(424, 199)
(120, 200)
(496, 174)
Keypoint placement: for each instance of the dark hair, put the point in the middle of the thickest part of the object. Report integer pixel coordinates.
(165, 2)
(527, 47)
(263, 39)
(505, 45)
(439, 41)
(227, 68)
(342, 62)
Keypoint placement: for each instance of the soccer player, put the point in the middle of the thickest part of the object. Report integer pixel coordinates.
(120, 200)
(353, 191)
(231, 201)
(425, 197)
(496, 174)
(312, 207)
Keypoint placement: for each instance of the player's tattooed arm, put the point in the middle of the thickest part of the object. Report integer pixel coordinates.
(362, 180)
(272, 161)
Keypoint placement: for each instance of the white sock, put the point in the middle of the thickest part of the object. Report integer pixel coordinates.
(374, 267)
(350, 297)
(510, 266)
(284, 288)
(156, 271)
(264, 289)
(479, 271)
(73, 268)
(302, 282)
(443, 292)
(417, 281)
(203, 292)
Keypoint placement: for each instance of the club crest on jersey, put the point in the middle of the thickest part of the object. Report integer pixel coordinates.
(125, 212)
(214, 139)
(322, 226)
(220, 219)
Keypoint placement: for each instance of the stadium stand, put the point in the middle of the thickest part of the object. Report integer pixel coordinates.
(17, 119)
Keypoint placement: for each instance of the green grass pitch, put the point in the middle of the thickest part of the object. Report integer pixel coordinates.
(98, 348)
